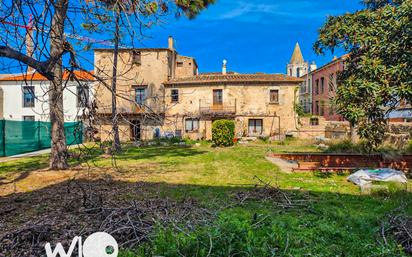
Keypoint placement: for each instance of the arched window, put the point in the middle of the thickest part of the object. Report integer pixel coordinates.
(298, 72)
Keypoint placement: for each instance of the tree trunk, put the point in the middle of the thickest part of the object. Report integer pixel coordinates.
(58, 156)
(115, 127)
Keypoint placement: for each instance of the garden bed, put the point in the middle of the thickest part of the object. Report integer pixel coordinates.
(335, 161)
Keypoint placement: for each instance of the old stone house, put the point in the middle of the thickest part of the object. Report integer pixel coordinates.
(160, 93)
(260, 104)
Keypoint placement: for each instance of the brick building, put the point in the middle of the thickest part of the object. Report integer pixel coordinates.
(324, 87)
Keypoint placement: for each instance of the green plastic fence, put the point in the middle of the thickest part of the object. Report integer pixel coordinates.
(18, 137)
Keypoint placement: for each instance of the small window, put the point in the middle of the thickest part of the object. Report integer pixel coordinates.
(28, 96)
(298, 72)
(317, 87)
(82, 96)
(310, 87)
(274, 96)
(255, 127)
(217, 97)
(136, 57)
(322, 108)
(175, 95)
(192, 125)
(314, 121)
(322, 85)
(140, 95)
(331, 82)
(179, 64)
(28, 118)
(317, 107)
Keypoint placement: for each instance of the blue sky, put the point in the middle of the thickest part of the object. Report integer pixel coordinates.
(254, 36)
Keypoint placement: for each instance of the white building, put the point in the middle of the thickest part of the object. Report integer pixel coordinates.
(25, 97)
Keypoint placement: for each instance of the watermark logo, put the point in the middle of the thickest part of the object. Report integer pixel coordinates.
(99, 244)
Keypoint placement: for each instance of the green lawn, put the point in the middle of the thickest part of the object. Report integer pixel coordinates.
(335, 219)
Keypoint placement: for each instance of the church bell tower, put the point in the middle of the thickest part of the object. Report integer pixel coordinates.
(297, 67)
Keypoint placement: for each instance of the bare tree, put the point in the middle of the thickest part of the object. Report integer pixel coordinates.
(50, 38)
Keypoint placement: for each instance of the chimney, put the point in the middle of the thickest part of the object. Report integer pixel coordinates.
(171, 43)
(313, 66)
(224, 70)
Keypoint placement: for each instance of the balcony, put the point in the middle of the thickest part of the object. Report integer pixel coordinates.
(218, 110)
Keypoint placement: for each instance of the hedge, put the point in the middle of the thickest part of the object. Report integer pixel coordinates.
(223, 132)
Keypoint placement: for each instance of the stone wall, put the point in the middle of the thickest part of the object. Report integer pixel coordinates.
(399, 134)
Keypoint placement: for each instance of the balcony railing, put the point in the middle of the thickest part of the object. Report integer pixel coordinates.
(218, 110)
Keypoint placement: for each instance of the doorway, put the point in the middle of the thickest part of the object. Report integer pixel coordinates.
(135, 130)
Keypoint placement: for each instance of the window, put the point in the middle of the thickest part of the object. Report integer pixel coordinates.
(298, 72)
(255, 126)
(314, 121)
(28, 118)
(317, 107)
(322, 108)
(82, 96)
(322, 85)
(217, 97)
(274, 96)
(28, 96)
(192, 125)
(317, 87)
(140, 95)
(175, 95)
(136, 57)
(310, 87)
(290, 72)
(331, 82)
(179, 64)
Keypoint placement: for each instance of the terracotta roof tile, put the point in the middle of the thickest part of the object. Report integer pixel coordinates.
(81, 75)
(233, 78)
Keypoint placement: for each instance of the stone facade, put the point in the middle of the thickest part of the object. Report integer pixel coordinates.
(140, 89)
(160, 93)
(248, 103)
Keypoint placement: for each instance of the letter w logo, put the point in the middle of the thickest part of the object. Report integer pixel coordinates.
(59, 250)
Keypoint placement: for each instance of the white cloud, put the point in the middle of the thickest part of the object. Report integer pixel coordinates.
(247, 8)
(257, 12)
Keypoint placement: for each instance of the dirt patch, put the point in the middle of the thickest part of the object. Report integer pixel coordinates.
(33, 180)
(78, 208)
(129, 211)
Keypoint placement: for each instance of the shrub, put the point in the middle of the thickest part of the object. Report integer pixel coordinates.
(264, 139)
(346, 146)
(223, 132)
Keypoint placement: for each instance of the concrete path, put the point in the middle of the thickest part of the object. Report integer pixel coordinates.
(284, 165)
